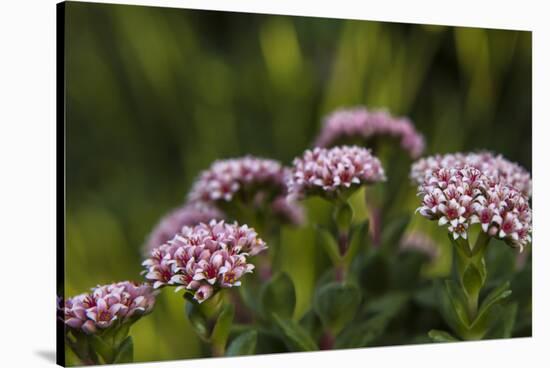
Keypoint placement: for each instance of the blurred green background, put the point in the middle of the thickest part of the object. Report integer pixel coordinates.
(154, 95)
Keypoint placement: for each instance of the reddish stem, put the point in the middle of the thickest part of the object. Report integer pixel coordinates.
(327, 341)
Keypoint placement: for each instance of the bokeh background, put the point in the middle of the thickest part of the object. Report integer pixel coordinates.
(154, 95)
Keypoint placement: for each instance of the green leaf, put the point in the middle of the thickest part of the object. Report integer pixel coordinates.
(364, 333)
(484, 317)
(343, 215)
(99, 345)
(196, 318)
(271, 341)
(121, 334)
(459, 304)
(374, 273)
(499, 293)
(125, 353)
(409, 264)
(462, 246)
(441, 336)
(312, 324)
(504, 324)
(223, 326)
(336, 305)
(244, 344)
(278, 296)
(389, 304)
(297, 337)
(393, 232)
(330, 244)
(472, 280)
(358, 238)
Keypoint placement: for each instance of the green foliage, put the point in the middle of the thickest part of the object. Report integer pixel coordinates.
(393, 232)
(244, 344)
(125, 352)
(278, 296)
(197, 319)
(370, 326)
(336, 304)
(296, 336)
(221, 330)
(441, 336)
(173, 90)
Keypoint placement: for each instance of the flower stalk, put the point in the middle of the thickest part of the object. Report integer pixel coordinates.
(211, 320)
(459, 198)
(342, 216)
(471, 270)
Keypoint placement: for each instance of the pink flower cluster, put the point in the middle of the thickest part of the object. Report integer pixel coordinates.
(171, 224)
(323, 171)
(108, 306)
(458, 198)
(359, 123)
(226, 178)
(204, 258)
(497, 168)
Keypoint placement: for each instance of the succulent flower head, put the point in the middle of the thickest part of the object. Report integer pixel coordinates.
(497, 168)
(108, 306)
(172, 223)
(226, 179)
(204, 258)
(458, 198)
(359, 125)
(328, 172)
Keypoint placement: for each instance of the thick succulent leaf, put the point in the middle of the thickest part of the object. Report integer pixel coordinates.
(329, 243)
(458, 302)
(441, 336)
(498, 294)
(244, 344)
(278, 296)
(393, 232)
(336, 305)
(358, 240)
(489, 311)
(102, 348)
(223, 325)
(362, 334)
(296, 336)
(503, 325)
(312, 323)
(125, 353)
(197, 320)
(472, 279)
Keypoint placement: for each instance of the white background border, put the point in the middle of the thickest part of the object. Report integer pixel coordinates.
(27, 180)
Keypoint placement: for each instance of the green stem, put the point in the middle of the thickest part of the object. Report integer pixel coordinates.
(342, 216)
(472, 274)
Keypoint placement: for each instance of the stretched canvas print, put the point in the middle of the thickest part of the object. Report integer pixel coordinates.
(239, 184)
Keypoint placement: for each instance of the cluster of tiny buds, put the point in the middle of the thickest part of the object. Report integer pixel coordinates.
(226, 178)
(108, 306)
(496, 167)
(324, 171)
(204, 258)
(459, 198)
(172, 223)
(360, 125)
